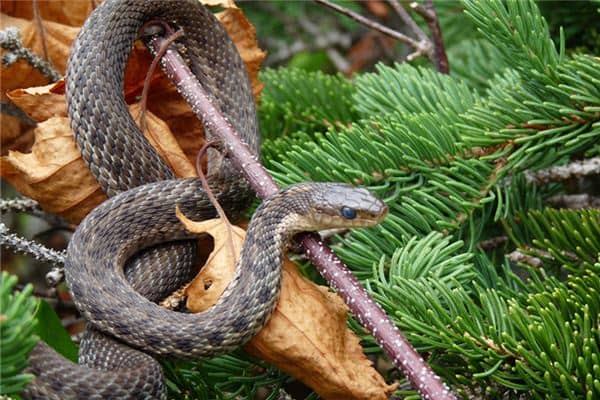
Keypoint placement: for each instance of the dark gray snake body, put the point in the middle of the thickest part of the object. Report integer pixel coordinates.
(131, 251)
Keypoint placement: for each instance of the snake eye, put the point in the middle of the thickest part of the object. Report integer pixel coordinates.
(348, 213)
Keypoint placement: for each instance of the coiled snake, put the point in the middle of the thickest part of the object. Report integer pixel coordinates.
(131, 251)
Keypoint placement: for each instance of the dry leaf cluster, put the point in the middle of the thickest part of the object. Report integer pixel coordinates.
(307, 335)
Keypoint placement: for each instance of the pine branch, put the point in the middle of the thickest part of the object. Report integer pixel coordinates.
(17, 336)
(393, 342)
(566, 238)
(452, 162)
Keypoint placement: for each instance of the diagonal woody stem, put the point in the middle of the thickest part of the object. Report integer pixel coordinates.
(366, 310)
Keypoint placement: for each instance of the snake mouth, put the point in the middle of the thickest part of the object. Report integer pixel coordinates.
(370, 218)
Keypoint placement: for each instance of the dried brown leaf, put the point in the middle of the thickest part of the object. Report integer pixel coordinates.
(219, 3)
(307, 335)
(161, 138)
(308, 338)
(55, 175)
(66, 12)
(41, 102)
(215, 275)
(243, 34)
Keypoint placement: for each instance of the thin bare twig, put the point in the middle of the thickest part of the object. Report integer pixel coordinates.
(31, 207)
(368, 312)
(407, 19)
(323, 42)
(340, 62)
(422, 47)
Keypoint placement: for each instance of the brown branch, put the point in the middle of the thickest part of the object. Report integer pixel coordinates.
(338, 275)
(422, 47)
(492, 243)
(519, 257)
(430, 16)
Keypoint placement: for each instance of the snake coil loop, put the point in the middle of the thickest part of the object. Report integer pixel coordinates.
(131, 250)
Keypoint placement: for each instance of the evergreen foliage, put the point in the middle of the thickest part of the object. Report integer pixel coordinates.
(448, 154)
(231, 376)
(17, 338)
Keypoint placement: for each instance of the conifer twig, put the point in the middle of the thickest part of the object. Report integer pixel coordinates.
(574, 201)
(575, 169)
(10, 39)
(9, 108)
(36, 250)
(492, 243)
(324, 41)
(519, 257)
(31, 207)
(368, 312)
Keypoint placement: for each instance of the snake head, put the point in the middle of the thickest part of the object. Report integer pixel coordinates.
(337, 205)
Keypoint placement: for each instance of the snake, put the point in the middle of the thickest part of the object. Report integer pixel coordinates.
(131, 251)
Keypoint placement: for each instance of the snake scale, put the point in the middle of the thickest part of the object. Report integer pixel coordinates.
(131, 251)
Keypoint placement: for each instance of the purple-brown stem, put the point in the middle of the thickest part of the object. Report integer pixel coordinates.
(329, 265)
(433, 22)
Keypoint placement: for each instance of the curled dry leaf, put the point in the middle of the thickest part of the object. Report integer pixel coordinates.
(209, 284)
(308, 338)
(22, 75)
(54, 173)
(41, 102)
(164, 100)
(307, 335)
(67, 12)
(243, 34)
